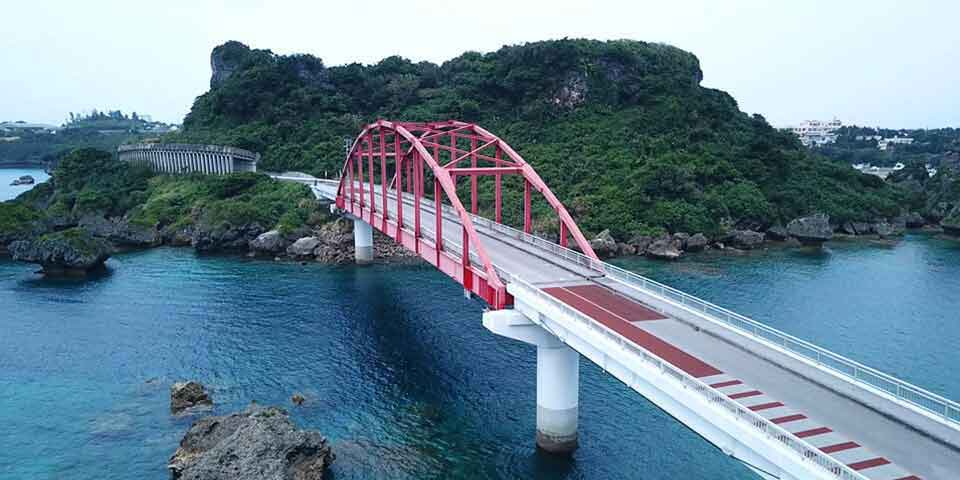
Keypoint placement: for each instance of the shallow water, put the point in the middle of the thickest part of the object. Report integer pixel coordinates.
(7, 175)
(394, 362)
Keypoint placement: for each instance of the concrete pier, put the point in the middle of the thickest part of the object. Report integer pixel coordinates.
(362, 241)
(558, 399)
(558, 379)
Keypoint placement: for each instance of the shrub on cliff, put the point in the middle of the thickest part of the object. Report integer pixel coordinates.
(18, 221)
(622, 131)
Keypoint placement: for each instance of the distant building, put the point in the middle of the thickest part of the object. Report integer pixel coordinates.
(884, 143)
(815, 133)
(27, 127)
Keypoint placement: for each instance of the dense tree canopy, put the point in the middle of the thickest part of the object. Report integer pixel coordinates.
(622, 130)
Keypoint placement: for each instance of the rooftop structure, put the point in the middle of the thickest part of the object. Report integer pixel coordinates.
(817, 133)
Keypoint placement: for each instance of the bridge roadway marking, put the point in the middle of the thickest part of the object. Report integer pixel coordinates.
(857, 436)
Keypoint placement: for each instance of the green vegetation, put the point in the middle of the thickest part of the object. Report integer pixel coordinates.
(622, 131)
(77, 239)
(103, 131)
(936, 147)
(90, 181)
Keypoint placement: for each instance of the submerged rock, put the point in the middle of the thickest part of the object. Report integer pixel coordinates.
(261, 443)
(70, 252)
(813, 229)
(184, 395)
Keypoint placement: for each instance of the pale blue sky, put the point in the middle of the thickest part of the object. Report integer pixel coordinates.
(875, 62)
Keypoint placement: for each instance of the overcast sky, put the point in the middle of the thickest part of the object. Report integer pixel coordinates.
(872, 62)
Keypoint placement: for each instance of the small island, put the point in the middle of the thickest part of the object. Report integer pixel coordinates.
(24, 180)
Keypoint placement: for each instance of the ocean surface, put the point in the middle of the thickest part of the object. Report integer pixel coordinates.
(396, 367)
(7, 175)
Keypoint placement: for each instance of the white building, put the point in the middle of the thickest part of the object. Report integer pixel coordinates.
(816, 133)
(898, 140)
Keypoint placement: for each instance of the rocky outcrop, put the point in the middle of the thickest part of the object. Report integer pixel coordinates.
(304, 248)
(261, 443)
(184, 395)
(70, 252)
(911, 220)
(572, 92)
(269, 243)
(951, 224)
(813, 229)
(207, 238)
(745, 239)
(225, 60)
(23, 180)
(604, 245)
(120, 231)
(697, 242)
(664, 248)
(777, 232)
(640, 243)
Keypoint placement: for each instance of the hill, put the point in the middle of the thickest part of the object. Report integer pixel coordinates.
(622, 131)
(25, 144)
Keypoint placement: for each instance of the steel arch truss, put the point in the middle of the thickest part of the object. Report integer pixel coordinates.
(390, 165)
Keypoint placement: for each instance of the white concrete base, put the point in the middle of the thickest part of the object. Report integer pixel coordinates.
(362, 241)
(558, 379)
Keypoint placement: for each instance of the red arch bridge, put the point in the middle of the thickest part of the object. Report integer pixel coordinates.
(785, 407)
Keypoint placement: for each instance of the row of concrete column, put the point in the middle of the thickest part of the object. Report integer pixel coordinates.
(182, 161)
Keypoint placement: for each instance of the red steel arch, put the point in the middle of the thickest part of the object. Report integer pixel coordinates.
(405, 153)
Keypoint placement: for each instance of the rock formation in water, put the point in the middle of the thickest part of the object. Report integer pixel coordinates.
(813, 229)
(68, 252)
(23, 180)
(261, 443)
(184, 395)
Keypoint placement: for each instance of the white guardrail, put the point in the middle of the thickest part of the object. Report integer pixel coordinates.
(741, 413)
(930, 402)
(937, 405)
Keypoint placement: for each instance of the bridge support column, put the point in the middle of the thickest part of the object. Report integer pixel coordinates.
(362, 241)
(558, 379)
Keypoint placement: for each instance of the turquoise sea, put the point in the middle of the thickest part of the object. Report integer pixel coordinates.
(395, 365)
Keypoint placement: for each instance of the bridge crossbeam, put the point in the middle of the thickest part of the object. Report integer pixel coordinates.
(405, 158)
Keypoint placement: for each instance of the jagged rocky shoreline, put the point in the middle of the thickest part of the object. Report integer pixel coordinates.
(812, 230)
(258, 443)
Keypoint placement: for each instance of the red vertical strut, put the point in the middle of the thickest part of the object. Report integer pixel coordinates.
(527, 227)
(498, 196)
(399, 161)
(373, 202)
(418, 192)
(383, 179)
(438, 235)
(473, 178)
(360, 175)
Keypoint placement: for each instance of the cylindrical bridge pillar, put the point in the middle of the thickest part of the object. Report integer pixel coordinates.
(558, 379)
(362, 241)
(558, 399)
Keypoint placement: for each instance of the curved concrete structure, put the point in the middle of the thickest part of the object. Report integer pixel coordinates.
(188, 158)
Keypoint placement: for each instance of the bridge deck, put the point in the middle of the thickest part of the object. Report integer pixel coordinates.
(875, 445)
